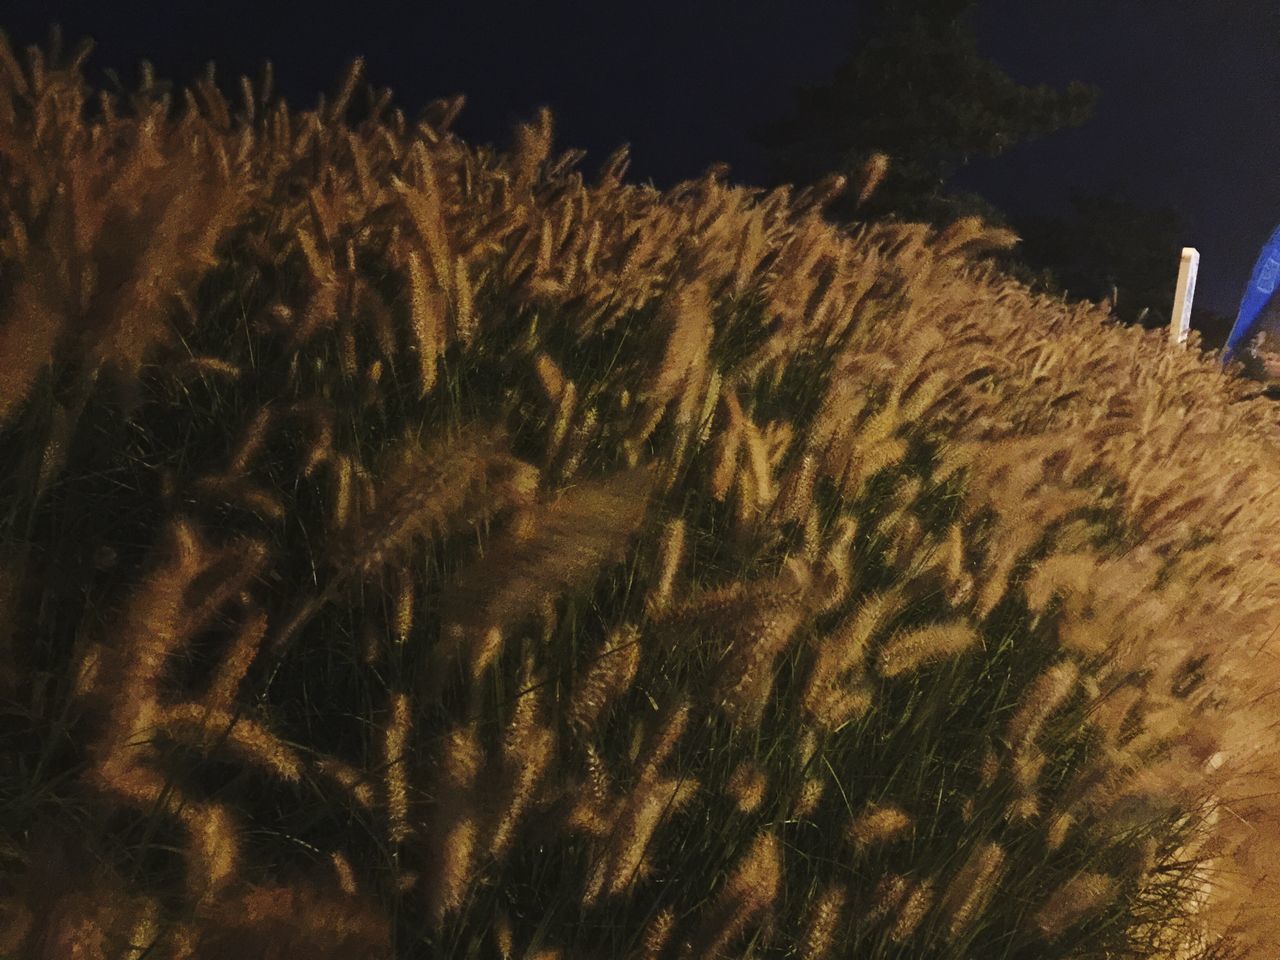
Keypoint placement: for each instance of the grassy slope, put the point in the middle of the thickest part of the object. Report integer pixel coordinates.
(409, 545)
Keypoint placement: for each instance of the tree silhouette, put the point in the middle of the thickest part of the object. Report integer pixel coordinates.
(917, 89)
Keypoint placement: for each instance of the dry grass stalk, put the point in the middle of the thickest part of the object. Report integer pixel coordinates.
(427, 318)
(917, 903)
(670, 555)
(657, 933)
(757, 635)
(913, 649)
(235, 665)
(623, 862)
(825, 916)
(843, 651)
(454, 829)
(873, 172)
(404, 588)
(879, 823)
(430, 489)
(1074, 900)
(890, 892)
(1059, 827)
(559, 545)
(750, 891)
(345, 875)
(972, 888)
(248, 740)
(356, 783)
(529, 751)
(608, 676)
(808, 798)
(747, 786)
(395, 745)
(503, 937)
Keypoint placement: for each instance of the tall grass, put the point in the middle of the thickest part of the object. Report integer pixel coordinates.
(413, 550)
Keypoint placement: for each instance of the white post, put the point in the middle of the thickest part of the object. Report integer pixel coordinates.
(1180, 324)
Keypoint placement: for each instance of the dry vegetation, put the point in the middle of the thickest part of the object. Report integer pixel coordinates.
(410, 550)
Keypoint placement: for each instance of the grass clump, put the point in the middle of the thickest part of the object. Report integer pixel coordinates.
(413, 550)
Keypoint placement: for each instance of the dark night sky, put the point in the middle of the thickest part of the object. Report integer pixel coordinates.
(1187, 116)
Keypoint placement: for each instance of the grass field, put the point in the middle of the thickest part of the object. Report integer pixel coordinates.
(409, 549)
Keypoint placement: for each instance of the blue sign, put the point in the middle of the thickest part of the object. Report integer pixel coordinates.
(1262, 284)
